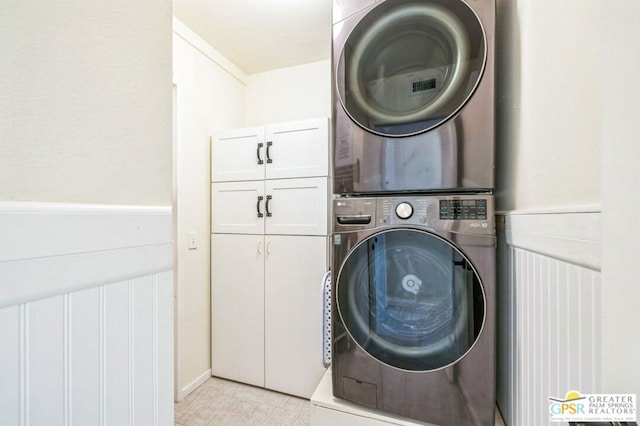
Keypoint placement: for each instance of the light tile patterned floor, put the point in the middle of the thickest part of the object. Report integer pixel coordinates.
(221, 402)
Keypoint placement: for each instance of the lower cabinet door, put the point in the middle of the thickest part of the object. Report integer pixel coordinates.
(294, 268)
(237, 307)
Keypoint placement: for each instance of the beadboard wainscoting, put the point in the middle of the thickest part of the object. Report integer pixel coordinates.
(548, 311)
(86, 313)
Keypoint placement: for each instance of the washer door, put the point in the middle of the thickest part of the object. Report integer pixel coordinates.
(409, 65)
(411, 300)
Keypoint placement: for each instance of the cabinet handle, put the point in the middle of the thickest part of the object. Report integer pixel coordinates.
(260, 198)
(266, 206)
(269, 247)
(269, 145)
(260, 247)
(260, 160)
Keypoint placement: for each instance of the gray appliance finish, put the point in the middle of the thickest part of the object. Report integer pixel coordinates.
(414, 299)
(413, 96)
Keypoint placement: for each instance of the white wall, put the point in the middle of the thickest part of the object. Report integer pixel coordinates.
(85, 290)
(549, 89)
(289, 94)
(620, 202)
(568, 111)
(85, 101)
(549, 109)
(209, 98)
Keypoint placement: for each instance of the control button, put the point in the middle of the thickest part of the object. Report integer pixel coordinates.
(404, 210)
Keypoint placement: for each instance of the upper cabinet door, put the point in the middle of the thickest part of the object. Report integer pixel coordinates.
(297, 149)
(238, 207)
(296, 206)
(238, 155)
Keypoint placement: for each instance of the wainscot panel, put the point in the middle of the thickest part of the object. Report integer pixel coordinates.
(86, 305)
(548, 311)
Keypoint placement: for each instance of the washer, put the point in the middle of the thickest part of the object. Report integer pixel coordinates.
(414, 306)
(413, 96)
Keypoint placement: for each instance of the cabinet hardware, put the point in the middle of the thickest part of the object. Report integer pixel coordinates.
(260, 198)
(268, 246)
(269, 160)
(260, 160)
(260, 247)
(266, 206)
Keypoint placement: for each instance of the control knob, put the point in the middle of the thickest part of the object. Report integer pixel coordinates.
(404, 210)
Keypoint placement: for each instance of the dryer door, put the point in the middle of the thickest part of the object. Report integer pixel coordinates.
(411, 300)
(409, 65)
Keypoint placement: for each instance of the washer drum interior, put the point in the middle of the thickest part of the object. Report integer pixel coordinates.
(411, 300)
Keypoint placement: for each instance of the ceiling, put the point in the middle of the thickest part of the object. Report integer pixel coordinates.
(261, 35)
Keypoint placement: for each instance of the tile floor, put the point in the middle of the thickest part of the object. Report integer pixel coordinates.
(221, 402)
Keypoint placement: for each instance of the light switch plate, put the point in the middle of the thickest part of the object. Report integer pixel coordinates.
(192, 240)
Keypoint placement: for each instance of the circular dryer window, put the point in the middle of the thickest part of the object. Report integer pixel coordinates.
(410, 65)
(411, 300)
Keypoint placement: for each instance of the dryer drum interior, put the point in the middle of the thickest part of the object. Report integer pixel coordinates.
(409, 65)
(411, 300)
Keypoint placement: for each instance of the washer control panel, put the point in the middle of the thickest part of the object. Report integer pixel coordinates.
(468, 214)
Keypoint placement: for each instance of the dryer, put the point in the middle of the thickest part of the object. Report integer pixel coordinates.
(413, 96)
(413, 329)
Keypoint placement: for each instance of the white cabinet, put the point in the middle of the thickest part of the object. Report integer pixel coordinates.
(297, 149)
(237, 207)
(297, 206)
(269, 224)
(266, 310)
(293, 313)
(237, 307)
(237, 155)
(279, 206)
(286, 150)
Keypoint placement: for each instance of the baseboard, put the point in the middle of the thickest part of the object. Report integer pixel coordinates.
(196, 383)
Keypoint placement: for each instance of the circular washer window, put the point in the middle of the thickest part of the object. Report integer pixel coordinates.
(409, 65)
(410, 299)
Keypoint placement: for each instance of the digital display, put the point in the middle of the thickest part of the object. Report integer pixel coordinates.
(421, 86)
(463, 209)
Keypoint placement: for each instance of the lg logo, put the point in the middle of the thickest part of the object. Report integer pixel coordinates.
(411, 283)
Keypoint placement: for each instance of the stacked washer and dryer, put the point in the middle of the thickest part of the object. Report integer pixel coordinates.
(413, 253)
